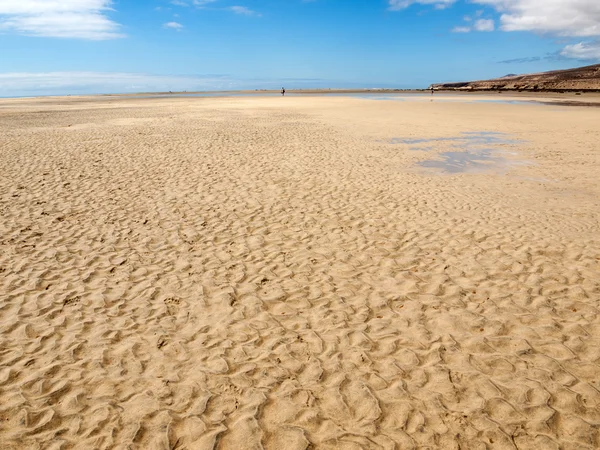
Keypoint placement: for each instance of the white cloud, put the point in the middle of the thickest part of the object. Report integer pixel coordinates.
(397, 5)
(562, 18)
(484, 25)
(566, 18)
(461, 29)
(243, 10)
(203, 3)
(173, 25)
(82, 19)
(478, 25)
(582, 50)
(197, 3)
(558, 17)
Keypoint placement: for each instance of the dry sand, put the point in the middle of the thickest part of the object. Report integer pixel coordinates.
(244, 273)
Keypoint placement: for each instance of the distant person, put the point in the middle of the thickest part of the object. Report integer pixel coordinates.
(431, 90)
(282, 91)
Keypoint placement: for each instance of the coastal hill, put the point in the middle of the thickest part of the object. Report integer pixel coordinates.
(579, 79)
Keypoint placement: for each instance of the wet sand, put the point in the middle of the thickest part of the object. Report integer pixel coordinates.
(256, 272)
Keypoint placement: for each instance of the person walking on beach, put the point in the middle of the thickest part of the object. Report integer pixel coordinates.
(282, 91)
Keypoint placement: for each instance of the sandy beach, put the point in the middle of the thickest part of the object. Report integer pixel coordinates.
(300, 272)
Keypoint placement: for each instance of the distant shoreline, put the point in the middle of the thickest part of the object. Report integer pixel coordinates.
(547, 97)
(374, 91)
(370, 91)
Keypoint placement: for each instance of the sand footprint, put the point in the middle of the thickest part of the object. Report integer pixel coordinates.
(172, 304)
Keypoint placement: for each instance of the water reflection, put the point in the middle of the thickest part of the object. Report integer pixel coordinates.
(481, 152)
(467, 139)
(477, 151)
(462, 162)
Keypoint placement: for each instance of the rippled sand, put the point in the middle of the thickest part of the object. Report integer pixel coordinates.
(283, 273)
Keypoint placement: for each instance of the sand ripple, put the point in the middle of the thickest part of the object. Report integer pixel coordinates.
(203, 274)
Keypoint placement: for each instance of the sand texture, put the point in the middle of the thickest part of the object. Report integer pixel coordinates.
(287, 273)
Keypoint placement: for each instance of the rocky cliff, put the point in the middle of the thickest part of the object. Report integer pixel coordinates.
(579, 79)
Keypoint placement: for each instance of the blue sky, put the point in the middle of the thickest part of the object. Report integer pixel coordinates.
(98, 46)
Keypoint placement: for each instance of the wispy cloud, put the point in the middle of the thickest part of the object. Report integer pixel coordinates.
(477, 25)
(397, 5)
(62, 83)
(50, 83)
(243, 10)
(202, 3)
(80, 19)
(173, 25)
(528, 59)
(196, 3)
(461, 29)
(484, 25)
